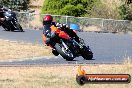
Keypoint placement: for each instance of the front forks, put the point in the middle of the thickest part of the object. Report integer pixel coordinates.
(65, 46)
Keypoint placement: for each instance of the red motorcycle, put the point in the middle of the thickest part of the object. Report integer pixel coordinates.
(67, 47)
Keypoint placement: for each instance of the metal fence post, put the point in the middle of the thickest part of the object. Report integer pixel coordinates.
(29, 20)
(102, 25)
(66, 20)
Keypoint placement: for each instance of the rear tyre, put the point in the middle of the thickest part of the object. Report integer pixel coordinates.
(66, 54)
(6, 28)
(87, 53)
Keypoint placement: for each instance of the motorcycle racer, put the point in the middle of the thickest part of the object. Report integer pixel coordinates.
(48, 35)
(2, 11)
(1, 14)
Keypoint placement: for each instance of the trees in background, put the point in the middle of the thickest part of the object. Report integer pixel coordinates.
(88, 8)
(125, 11)
(16, 4)
(68, 7)
(128, 1)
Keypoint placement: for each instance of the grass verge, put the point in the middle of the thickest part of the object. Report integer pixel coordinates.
(18, 50)
(58, 76)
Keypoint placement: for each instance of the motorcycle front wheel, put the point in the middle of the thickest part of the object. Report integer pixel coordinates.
(19, 27)
(15, 26)
(66, 54)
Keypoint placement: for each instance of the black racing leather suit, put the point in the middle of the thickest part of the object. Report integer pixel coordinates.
(2, 11)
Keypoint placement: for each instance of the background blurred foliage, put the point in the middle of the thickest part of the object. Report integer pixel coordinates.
(16, 4)
(125, 12)
(118, 9)
(89, 8)
(68, 7)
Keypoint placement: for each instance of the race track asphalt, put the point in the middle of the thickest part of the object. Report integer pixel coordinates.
(107, 47)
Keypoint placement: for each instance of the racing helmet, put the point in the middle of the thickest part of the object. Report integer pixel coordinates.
(47, 19)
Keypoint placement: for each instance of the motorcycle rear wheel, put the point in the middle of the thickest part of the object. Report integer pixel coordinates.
(6, 28)
(87, 53)
(65, 55)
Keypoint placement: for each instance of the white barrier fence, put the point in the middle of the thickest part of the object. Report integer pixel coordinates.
(34, 21)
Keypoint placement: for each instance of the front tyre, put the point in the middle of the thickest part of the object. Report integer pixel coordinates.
(66, 54)
(86, 53)
(15, 26)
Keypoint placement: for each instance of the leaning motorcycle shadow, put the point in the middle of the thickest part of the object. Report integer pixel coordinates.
(81, 59)
(77, 59)
(13, 31)
(18, 31)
